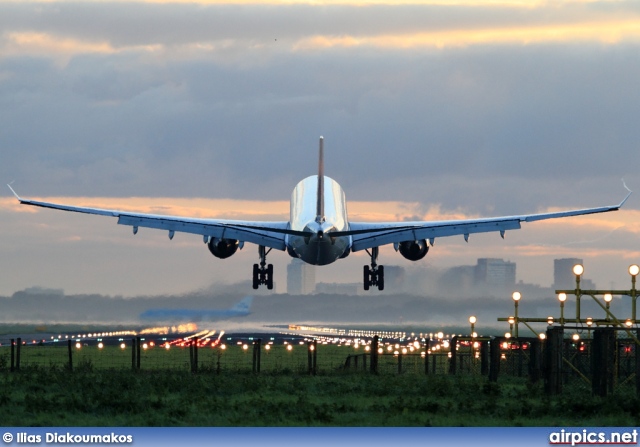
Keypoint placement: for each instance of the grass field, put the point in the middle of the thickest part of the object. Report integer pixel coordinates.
(103, 390)
(53, 396)
(235, 358)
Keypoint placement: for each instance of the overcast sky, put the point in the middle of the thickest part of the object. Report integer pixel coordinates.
(428, 109)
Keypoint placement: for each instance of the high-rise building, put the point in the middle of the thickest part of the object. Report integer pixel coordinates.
(563, 277)
(301, 278)
(495, 272)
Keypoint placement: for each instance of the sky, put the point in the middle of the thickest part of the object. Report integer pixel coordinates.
(429, 109)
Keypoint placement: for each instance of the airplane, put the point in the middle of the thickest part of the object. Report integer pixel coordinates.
(318, 231)
(240, 309)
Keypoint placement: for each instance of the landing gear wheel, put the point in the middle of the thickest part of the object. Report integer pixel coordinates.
(256, 276)
(373, 275)
(263, 273)
(367, 277)
(269, 277)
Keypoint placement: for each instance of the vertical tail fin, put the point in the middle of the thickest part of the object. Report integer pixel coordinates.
(243, 305)
(320, 203)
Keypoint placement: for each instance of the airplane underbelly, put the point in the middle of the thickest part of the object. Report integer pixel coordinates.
(319, 251)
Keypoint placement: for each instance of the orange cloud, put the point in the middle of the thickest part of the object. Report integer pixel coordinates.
(609, 32)
(205, 207)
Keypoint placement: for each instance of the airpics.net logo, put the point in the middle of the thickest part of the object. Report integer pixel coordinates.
(588, 437)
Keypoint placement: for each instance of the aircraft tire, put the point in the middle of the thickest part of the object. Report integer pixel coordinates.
(256, 276)
(381, 277)
(367, 275)
(269, 277)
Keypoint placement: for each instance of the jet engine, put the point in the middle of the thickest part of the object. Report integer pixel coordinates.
(413, 250)
(223, 248)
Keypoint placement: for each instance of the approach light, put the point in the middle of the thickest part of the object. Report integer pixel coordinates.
(589, 321)
(562, 297)
(549, 319)
(472, 319)
(578, 269)
(634, 270)
(516, 296)
(608, 297)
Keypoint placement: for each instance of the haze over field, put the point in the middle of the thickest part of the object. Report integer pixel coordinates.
(429, 111)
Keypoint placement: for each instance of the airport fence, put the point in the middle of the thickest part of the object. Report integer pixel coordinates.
(192, 355)
(603, 362)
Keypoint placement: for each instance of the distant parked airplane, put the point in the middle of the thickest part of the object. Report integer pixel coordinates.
(318, 231)
(241, 309)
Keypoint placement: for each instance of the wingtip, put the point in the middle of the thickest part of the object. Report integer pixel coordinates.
(14, 193)
(625, 199)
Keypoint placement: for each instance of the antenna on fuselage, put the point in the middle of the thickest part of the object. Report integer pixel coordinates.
(320, 203)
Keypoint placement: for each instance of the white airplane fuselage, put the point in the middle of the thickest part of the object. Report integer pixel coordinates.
(318, 248)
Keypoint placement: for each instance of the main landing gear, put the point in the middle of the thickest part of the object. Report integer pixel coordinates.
(374, 275)
(263, 273)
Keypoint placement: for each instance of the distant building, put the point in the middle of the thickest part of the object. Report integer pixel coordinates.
(563, 277)
(301, 278)
(495, 272)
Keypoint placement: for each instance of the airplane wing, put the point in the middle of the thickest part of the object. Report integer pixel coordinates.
(368, 235)
(268, 234)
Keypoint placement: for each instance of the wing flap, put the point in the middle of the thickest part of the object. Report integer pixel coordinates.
(368, 235)
(269, 234)
(431, 231)
(257, 235)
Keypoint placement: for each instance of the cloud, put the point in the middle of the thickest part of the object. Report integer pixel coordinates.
(429, 110)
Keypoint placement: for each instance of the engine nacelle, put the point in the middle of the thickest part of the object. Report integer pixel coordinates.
(413, 250)
(223, 248)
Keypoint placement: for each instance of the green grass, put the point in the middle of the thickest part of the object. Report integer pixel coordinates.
(102, 390)
(50, 396)
(236, 359)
